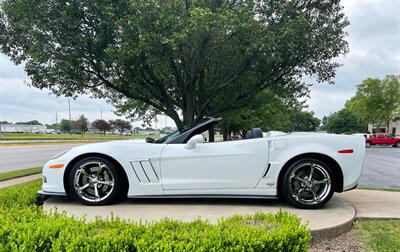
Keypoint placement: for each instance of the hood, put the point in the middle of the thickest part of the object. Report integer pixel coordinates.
(113, 142)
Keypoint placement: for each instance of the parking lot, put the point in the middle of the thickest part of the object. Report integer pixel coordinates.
(381, 168)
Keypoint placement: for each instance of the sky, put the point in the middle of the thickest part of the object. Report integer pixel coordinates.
(374, 41)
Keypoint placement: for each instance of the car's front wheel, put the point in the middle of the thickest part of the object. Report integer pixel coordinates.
(308, 183)
(397, 144)
(368, 144)
(95, 181)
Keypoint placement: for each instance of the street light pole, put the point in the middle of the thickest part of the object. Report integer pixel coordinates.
(69, 112)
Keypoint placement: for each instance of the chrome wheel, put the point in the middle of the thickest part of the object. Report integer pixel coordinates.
(93, 181)
(309, 183)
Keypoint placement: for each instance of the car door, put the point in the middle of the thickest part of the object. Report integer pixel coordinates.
(228, 165)
(380, 139)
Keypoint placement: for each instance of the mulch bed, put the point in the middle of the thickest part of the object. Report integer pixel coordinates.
(345, 242)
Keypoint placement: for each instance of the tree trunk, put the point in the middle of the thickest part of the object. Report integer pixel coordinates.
(188, 110)
(225, 134)
(388, 127)
(211, 134)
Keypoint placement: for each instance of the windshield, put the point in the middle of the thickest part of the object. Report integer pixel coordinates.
(178, 132)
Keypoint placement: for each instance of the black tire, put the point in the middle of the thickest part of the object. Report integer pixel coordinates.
(397, 144)
(292, 195)
(368, 144)
(112, 193)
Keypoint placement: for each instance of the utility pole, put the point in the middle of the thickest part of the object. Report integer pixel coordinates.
(101, 113)
(56, 120)
(69, 112)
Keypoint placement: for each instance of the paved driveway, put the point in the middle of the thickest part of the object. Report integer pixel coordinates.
(381, 168)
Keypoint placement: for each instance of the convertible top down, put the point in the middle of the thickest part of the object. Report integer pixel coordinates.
(303, 168)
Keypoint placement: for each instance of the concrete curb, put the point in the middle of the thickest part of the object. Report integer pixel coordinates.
(19, 180)
(332, 232)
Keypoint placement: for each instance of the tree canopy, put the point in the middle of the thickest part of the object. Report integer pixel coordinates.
(269, 110)
(120, 125)
(182, 58)
(101, 125)
(377, 101)
(81, 124)
(343, 121)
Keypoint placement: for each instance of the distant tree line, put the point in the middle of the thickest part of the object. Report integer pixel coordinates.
(81, 125)
(377, 101)
(33, 122)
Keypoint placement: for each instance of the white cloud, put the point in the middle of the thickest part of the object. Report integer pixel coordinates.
(374, 41)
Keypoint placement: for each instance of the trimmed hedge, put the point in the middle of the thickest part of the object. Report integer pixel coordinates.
(25, 227)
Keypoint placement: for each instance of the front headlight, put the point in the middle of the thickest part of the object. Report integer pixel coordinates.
(59, 154)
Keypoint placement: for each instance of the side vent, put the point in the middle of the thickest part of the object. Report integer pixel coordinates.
(266, 170)
(145, 172)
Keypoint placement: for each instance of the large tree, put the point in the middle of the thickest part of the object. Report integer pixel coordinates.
(120, 125)
(65, 125)
(101, 125)
(377, 101)
(81, 124)
(343, 121)
(176, 57)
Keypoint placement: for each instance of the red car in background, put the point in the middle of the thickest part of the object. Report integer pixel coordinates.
(382, 139)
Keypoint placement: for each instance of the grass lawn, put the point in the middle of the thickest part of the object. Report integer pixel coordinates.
(19, 173)
(31, 136)
(379, 235)
(381, 189)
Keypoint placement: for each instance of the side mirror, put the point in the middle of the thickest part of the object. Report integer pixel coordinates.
(196, 139)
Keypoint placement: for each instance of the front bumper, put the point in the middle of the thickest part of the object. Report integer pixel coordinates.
(53, 179)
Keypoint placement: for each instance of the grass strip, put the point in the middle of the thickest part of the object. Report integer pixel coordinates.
(32, 136)
(379, 235)
(19, 173)
(380, 189)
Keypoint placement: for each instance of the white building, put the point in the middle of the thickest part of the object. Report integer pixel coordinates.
(148, 132)
(394, 128)
(19, 128)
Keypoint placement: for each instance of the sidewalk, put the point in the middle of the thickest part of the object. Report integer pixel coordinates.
(19, 180)
(372, 204)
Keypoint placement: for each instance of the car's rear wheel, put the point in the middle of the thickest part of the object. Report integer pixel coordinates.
(397, 144)
(308, 183)
(368, 144)
(95, 181)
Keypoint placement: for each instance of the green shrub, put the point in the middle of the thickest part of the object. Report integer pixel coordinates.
(25, 227)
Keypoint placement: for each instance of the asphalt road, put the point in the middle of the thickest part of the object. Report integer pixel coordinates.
(381, 167)
(28, 156)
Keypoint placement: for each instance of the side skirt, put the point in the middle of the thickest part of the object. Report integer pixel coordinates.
(203, 196)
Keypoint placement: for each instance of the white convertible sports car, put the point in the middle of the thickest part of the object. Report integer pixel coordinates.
(303, 168)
